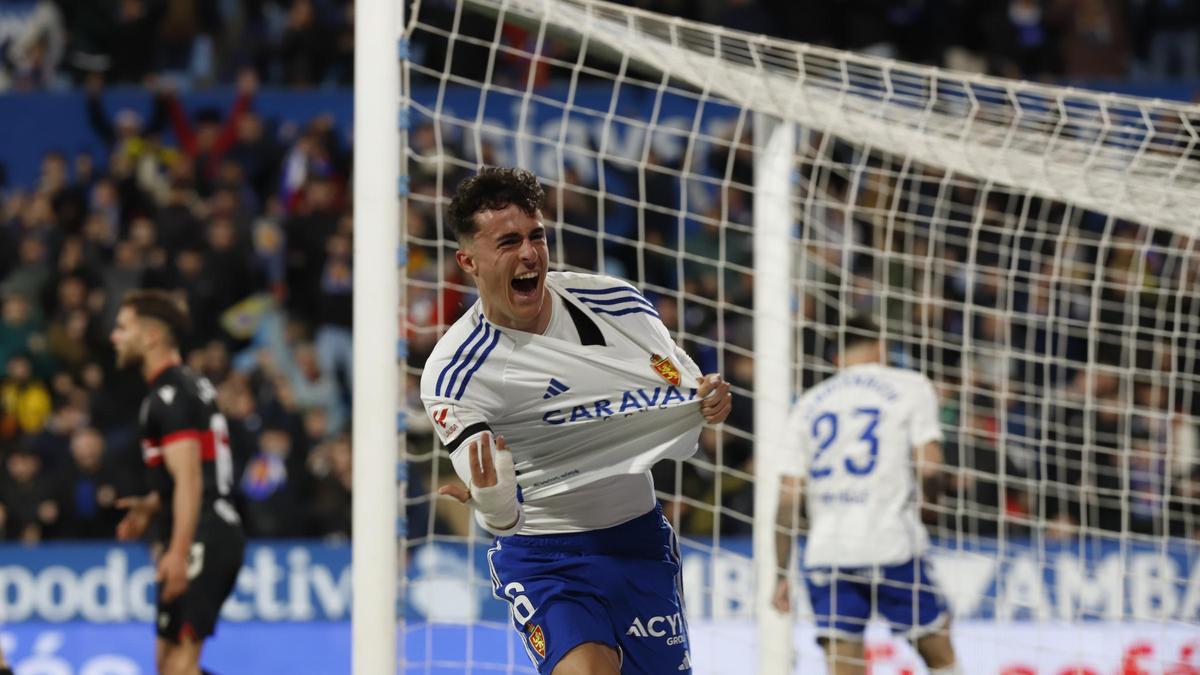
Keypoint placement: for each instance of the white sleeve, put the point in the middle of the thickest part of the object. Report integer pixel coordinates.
(455, 423)
(461, 420)
(464, 414)
(924, 423)
(794, 460)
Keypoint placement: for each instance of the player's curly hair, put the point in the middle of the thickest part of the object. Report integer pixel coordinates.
(493, 188)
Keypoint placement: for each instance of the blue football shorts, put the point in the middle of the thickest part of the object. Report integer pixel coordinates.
(904, 595)
(619, 586)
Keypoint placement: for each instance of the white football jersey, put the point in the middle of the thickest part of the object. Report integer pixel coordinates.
(586, 409)
(856, 433)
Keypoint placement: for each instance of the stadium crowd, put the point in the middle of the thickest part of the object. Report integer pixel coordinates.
(307, 43)
(249, 220)
(255, 234)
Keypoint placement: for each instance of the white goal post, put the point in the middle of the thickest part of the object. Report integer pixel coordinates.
(1032, 249)
(378, 307)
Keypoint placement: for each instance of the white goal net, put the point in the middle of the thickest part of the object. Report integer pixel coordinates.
(1031, 249)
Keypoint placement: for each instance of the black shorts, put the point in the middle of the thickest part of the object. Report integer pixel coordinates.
(213, 566)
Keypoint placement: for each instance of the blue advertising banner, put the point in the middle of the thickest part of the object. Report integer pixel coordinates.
(86, 609)
(303, 581)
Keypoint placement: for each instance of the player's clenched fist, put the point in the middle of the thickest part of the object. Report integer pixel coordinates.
(493, 488)
(717, 401)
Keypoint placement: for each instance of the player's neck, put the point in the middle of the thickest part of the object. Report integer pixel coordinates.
(156, 361)
(537, 325)
(861, 358)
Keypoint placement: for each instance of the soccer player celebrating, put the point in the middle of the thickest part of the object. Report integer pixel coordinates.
(555, 394)
(185, 447)
(862, 437)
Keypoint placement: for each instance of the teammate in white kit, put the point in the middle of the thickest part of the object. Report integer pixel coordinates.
(862, 438)
(555, 394)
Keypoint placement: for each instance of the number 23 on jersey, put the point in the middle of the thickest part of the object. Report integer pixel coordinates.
(851, 436)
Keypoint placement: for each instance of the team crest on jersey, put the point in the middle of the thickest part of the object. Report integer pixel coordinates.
(537, 639)
(663, 366)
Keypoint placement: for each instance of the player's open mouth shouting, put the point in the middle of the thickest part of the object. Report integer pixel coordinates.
(527, 287)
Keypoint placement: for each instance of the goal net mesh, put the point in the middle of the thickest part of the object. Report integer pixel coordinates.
(1031, 249)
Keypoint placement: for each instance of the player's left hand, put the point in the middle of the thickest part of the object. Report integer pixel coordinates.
(717, 400)
(141, 510)
(172, 574)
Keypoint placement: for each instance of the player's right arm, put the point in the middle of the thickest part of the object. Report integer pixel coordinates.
(787, 515)
(182, 459)
(925, 435)
(787, 519)
(460, 416)
(491, 486)
(485, 468)
(928, 460)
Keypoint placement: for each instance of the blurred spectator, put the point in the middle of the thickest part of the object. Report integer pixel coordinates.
(316, 388)
(226, 271)
(256, 153)
(29, 510)
(134, 38)
(33, 57)
(306, 233)
(29, 277)
(333, 341)
(1174, 42)
(1093, 38)
(273, 487)
(20, 332)
(127, 134)
(1020, 40)
(89, 488)
(53, 443)
(207, 142)
(24, 399)
(331, 465)
(305, 50)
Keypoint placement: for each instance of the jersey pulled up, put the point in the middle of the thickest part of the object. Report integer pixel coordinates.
(586, 408)
(855, 435)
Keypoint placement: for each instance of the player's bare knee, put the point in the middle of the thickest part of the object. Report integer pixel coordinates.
(590, 658)
(936, 649)
(845, 657)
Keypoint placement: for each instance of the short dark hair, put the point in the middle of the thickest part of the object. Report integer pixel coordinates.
(491, 189)
(860, 329)
(162, 306)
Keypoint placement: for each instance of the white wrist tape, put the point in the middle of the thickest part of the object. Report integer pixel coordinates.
(498, 505)
(499, 531)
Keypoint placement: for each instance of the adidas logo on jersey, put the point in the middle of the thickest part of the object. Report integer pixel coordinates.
(555, 388)
(687, 662)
